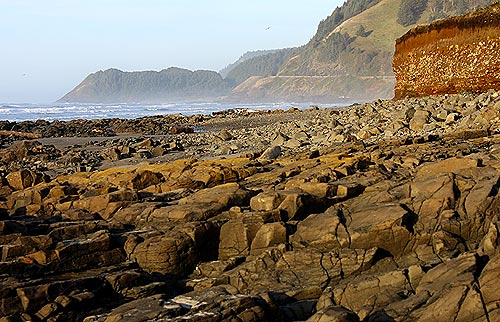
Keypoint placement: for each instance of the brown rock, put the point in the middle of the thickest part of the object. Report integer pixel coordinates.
(419, 120)
(278, 270)
(322, 231)
(451, 165)
(334, 314)
(319, 189)
(21, 180)
(266, 201)
(269, 235)
(150, 308)
(144, 179)
(271, 153)
(181, 129)
(203, 204)
(173, 253)
(366, 294)
(348, 189)
(104, 204)
(294, 204)
(236, 236)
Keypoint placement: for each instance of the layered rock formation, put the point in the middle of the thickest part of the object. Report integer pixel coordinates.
(377, 212)
(449, 56)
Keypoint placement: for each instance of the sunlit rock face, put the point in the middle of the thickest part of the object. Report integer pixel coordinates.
(460, 54)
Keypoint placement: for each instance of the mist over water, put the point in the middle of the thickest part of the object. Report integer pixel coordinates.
(66, 112)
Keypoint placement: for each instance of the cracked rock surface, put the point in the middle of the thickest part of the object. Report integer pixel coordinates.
(368, 218)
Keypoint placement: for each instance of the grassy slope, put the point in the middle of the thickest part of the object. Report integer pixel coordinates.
(381, 20)
(365, 56)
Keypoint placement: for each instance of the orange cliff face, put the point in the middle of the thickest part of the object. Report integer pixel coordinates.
(460, 54)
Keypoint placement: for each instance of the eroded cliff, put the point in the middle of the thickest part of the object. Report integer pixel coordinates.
(453, 55)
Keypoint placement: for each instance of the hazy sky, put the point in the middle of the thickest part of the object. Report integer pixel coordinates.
(49, 46)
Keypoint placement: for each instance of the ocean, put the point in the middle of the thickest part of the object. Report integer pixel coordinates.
(71, 111)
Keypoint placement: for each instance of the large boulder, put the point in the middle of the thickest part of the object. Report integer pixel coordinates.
(23, 179)
(174, 252)
(171, 254)
(334, 314)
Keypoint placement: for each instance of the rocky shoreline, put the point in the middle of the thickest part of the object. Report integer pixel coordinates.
(386, 211)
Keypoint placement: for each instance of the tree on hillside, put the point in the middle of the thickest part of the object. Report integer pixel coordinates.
(350, 9)
(410, 11)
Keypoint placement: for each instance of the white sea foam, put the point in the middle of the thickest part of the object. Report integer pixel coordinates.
(70, 111)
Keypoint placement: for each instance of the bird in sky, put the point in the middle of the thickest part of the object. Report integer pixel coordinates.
(268, 28)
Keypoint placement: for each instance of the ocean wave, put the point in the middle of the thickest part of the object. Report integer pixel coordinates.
(11, 106)
(72, 111)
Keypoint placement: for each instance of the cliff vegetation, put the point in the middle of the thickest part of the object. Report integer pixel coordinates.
(113, 85)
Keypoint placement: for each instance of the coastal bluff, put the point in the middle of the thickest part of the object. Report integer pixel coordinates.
(460, 54)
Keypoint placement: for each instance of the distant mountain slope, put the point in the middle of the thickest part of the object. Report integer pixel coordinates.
(357, 40)
(351, 50)
(267, 64)
(311, 89)
(113, 85)
(364, 43)
(246, 56)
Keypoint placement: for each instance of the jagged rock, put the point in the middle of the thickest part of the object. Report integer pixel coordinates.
(268, 235)
(320, 190)
(436, 298)
(174, 253)
(214, 269)
(451, 165)
(203, 204)
(399, 227)
(145, 178)
(224, 135)
(107, 204)
(150, 308)
(212, 304)
(23, 179)
(347, 189)
(169, 254)
(181, 129)
(266, 201)
(279, 270)
(334, 314)
(271, 153)
(323, 231)
(367, 294)
(419, 120)
(491, 241)
(237, 235)
(112, 154)
(220, 303)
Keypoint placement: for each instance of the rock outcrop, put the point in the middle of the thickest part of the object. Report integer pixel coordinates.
(460, 54)
(376, 212)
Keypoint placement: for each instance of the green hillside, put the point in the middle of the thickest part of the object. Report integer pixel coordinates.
(351, 50)
(246, 56)
(355, 43)
(113, 85)
(362, 41)
(267, 64)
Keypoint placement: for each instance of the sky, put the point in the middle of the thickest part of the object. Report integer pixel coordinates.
(47, 47)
